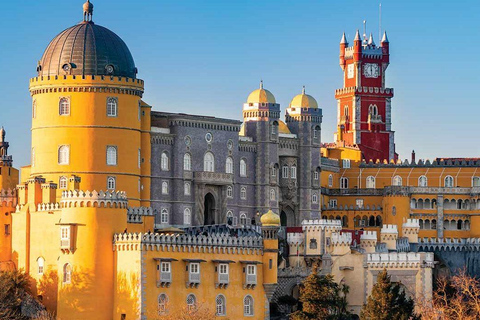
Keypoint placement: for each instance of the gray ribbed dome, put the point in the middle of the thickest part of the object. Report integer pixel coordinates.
(87, 49)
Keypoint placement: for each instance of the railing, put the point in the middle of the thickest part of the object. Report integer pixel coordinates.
(251, 279)
(223, 278)
(194, 277)
(65, 243)
(216, 178)
(165, 277)
(355, 191)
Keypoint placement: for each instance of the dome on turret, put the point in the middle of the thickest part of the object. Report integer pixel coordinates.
(87, 49)
(270, 219)
(261, 95)
(304, 100)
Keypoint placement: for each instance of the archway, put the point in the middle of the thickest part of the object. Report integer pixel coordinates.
(283, 219)
(209, 209)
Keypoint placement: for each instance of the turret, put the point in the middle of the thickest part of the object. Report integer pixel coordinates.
(385, 45)
(343, 46)
(389, 236)
(340, 243)
(410, 230)
(368, 241)
(296, 247)
(270, 225)
(357, 47)
(370, 40)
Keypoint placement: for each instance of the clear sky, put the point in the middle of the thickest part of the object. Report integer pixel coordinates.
(204, 57)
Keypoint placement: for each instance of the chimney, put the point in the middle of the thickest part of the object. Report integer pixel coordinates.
(413, 156)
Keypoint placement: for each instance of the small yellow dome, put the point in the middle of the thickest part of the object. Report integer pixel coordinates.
(261, 96)
(270, 219)
(304, 101)
(283, 128)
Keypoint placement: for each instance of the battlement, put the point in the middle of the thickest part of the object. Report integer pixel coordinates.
(353, 90)
(295, 238)
(368, 235)
(8, 198)
(422, 163)
(342, 238)
(86, 78)
(411, 223)
(322, 223)
(389, 229)
(142, 211)
(49, 206)
(87, 198)
(400, 259)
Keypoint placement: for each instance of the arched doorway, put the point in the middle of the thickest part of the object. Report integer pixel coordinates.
(209, 209)
(283, 219)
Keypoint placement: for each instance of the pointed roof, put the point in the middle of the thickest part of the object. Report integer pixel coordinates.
(357, 36)
(370, 40)
(344, 39)
(384, 38)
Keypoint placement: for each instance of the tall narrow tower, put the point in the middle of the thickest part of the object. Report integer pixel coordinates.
(364, 103)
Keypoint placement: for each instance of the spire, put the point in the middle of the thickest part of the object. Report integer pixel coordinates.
(344, 39)
(370, 40)
(384, 38)
(261, 84)
(357, 36)
(303, 90)
(87, 11)
(2, 134)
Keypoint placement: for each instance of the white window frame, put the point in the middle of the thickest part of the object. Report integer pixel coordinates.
(187, 162)
(64, 154)
(449, 182)
(475, 181)
(346, 163)
(229, 165)
(251, 274)
(187, 188)
(315, 175)
(397, 181)
(112, 155)
(209, 162)
(370, 182)
(162, 303)
(285, 172)
(164, 216)
(248, 306)
(243, 219)
(229, 192)
(139, 158)
(332, 203)
(41, 265)
(359, 203)
(343, 183)
(65, 237)
(421, 179)
(63, 182)
(112, 107)
(64, 106)
(243, 193)
(273, 195)
(223, 275)
(243, 167)
(293, 172)
(164, 187)
(187, 216)
(111, 183)
(67, 273)
(165, 269)
(220, 305)
(164, 161)
(194, 272)
(330, 181)
(314, 198)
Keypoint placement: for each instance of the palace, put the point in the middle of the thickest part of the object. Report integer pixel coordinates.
(130, 213)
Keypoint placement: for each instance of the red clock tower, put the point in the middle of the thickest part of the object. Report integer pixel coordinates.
(364, 104)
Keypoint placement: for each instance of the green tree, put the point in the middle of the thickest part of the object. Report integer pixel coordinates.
(388, 301)
(322, 298)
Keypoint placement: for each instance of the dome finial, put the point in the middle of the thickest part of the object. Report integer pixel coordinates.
(87, 11)
(303, 90)
(261, 84)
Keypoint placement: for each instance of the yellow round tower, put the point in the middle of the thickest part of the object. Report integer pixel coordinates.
(87, 115)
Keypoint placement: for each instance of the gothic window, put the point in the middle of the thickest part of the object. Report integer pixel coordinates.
(111, 155)
(248, 306)
(112, 107)
(397, 181)
(476, 182)
(186, 188)
(314, 198)
(187, 162)
(62, 182)
(359, 203)
(164, 162)
(191, 302)
(63, 154)
(272, 195)
(41, 265)
(422, 181)
(229, 218)
(243, 168)
(64, 107)
(293, 172)
(111, 183)
(343, 183)
(162, 304)
(220, 305)
(187, 216)
(315, 175)
(230, 192)
(67, 273)
(164, 216)
(313, 243)
(448, 182)
(229, 165)
(243, 219)
(164, 187)
(285, 172)
(345, 111)
(243, 193)
(330, 181)
(370, 182)
(209, 162)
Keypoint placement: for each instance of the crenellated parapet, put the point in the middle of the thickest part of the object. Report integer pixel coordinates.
(8, 198)
(449, 244)
(388, 92)
(295, 238)
(368, 241)
(49, 206)
(442, 163)
(322, 224)
(400, 260)
(342, 239)
(410, 229)
(136, 214)
(389, 236)
(77, 198)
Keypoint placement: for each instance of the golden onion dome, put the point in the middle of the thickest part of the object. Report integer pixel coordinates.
(270, 219)
(304, 101)
(283, 128)
(261, 95)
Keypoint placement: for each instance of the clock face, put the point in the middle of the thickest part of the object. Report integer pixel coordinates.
(371, 70)
(350, 71)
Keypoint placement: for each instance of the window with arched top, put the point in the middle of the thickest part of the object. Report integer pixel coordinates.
(164, 187)
(67, 273)
(397, 181)
(243, 219)
(343, 183)
(62, 182)
(314, 198)
(229, 165)
(162, 304)
(187, 188)
(243, 193)
(191, 302)
(229, 217)
(187, 216)
(285, 172)
(220, 303)
(64, 107)
(63, 154)
(345, 110)
(112, 107)
(209, 162)
(330, 181)
(476, 182)
(187, 162)
(41, 265)
(111, 183)
(248, 306)
(111, 155)
(243, 168)
(273, 196)
(229, 192)
(293, 172)
(422, 181)
(370, 182)
(164, 216)
(164, 162)
(448, 182)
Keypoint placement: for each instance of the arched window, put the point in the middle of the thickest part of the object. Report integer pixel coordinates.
(422, 181)
(315, 175)
(248, 306)
(345, 110)
(187, 162)
(220, 305)
(397, 181)
(67, 273)
(186, 188)
(370, 182)
(41, 265)
(164, 216)
(164, 162)
(285, 172)
(243, 219)
(243, 168)
(345, 221)
(272, 195)
(63, 154)
(448, 182)
(343, 183)
(112, 107)
(293, 172)
(229, 217)
(229, 165)
(64, 107)
(434, 224)
(164, 187)
(111, 183)
(62, 182)
(314, 197)
(191, 302)
(230, 192)
(162, 304)
(187, 216)
(209, 162)
(476, 182)
(34, 109)
(243, 193)
(111, 155)
(330, 181)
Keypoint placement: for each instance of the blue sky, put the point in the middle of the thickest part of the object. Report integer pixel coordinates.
(204, 57)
